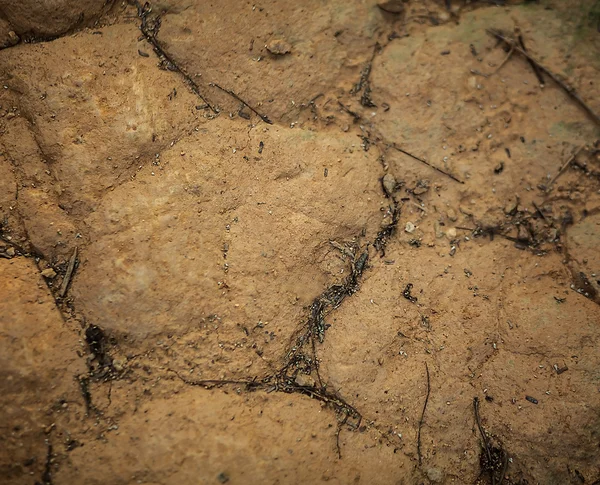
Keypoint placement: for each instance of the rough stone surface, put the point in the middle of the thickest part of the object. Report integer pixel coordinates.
(49, 18)
(210, 243)
(39, 395)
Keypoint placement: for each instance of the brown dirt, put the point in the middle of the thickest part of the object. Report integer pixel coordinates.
(222, 324)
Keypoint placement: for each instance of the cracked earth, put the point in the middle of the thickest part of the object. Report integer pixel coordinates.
(291, 242)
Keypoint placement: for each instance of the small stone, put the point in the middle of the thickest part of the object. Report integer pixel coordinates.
(410, 227)
(451, 233)
(10, 115)
(223, 477)
(392, 6)
(11, 251)
(49, 273)
(304, 380)
(436, 475)
(523, 234)
(452, 215)
(389, 184)
(118, 364)
(12, 39)
(278, 47)
(511, 207)
(465, 210)
(437, 227)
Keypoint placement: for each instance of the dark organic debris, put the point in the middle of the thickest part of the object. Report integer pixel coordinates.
(150, 25)
(301, 359)
(98, 343)
(406, 293)
(47, 473)
(560, 370)
(536, 69)
(68, 275)
(425, 162)
(493, 459)
(84, 387)
(265, 118)
(364, 82)
(532, 400)
(564, 167)
(384, 235)
(566, 87)
(423, 415)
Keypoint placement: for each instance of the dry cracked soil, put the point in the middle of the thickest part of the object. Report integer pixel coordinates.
(299, 242)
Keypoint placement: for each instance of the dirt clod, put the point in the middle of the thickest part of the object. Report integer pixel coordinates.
(278, 47)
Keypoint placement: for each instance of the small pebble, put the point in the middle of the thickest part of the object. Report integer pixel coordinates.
(49, 273)
(389, 184)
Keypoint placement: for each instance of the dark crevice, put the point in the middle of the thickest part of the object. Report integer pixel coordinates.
(302, 358)
(150, 25)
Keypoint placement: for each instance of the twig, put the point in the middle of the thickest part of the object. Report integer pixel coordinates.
(47, 474)
(539, 211)
(563, 168)
(483, 435)
(505, 467)
(314, 98)
(354, 114)
(401, 150)
(68, 275)
(342, 249)
(479, 73)
(265, 118)
(423, 415)
(337, 435)
(536, 69)
(568, 89)
(213, 382)
(366, 72)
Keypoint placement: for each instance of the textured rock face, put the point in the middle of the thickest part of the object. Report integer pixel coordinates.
(37, 387)
(214, 326)
(49, 17)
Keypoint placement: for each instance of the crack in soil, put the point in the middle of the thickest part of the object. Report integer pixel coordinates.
(302, 357)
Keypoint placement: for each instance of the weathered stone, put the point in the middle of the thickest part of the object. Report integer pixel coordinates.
(389, 184)
(49, 17)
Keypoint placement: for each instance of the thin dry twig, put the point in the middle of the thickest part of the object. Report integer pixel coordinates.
(563, 168)
(483, 435)
(566, 87)
(265, 118)
(536, 70)
(479, 73)
(68, 275)
(401, 150)
(423, 415)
